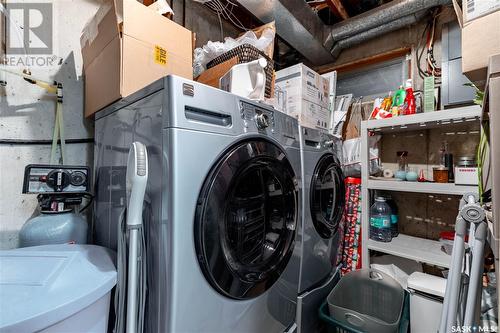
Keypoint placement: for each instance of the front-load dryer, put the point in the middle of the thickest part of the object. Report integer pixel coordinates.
(323, 201)
(221, 206)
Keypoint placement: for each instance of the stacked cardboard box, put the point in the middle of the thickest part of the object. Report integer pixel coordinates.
(480, 36)
(127, 46)
(307, 95)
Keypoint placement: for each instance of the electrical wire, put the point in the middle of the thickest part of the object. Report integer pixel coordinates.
(90, 199)
(431, 67)
(122, 277)
(121, 268)
(221, 30)
(226, 13)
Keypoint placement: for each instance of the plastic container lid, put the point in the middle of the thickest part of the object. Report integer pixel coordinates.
(352, 180)
(427, 283)
(42, 285)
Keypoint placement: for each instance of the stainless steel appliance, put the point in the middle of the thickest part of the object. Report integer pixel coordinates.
(221, 207)
(323, 199)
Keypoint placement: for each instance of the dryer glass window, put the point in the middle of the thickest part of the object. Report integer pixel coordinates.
(327, 196)
(246, 219)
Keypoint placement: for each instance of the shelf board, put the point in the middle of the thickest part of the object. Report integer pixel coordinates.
(414, 248)
(425, 120)
(434, 188)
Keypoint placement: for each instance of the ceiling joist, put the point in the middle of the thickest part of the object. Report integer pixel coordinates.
(337, 6)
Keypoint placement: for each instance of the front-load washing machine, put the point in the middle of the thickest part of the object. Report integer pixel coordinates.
(221, 207)
(323, 200)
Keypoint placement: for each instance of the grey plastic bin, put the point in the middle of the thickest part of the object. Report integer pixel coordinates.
(367, 300)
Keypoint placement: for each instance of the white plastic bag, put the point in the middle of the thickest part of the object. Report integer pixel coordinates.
(351, 156)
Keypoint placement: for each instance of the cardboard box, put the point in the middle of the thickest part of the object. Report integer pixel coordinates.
(480, 40)
(307, 95)
(308, 114)
(474, 9)
(301, 81)
(127, 46)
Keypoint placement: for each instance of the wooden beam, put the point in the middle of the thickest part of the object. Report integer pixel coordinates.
(318, 5)
(336, 5)
(364, 62)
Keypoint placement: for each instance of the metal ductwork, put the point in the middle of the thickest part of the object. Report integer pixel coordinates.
(375, 18)
(375, 32)
(296, 23)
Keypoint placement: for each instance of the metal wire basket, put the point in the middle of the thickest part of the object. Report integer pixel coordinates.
(246, 53)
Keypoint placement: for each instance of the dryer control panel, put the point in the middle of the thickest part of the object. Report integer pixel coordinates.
(263, 118)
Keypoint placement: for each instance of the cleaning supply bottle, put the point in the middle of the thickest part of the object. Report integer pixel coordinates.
(380, 221)
(387, 102)
(409, 99)
(398, 101)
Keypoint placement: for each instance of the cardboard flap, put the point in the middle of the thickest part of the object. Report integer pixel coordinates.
(103, 73)
(136, 14)
(212, 75)
(99, 32)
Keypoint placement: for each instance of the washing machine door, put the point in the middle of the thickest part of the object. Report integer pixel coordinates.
(327, 196)
(246, 219)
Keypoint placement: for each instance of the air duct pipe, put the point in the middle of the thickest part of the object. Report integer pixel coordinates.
(374, 19)
(378, 31)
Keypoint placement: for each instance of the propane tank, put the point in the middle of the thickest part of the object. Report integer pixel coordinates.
(54, 228)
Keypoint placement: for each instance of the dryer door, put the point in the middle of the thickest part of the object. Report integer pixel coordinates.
(246, 219)
(327, 196)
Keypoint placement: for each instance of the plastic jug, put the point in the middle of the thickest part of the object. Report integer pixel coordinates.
(398, 101)
(380, 221)
(246, 80)
(409, 99)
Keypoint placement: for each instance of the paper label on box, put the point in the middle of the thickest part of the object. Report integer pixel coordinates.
(477, 8)
(160, 55)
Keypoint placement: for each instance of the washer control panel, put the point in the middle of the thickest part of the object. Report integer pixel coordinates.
(263, 118)
(39, 178)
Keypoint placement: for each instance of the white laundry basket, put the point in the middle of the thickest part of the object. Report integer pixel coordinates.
(56, 288)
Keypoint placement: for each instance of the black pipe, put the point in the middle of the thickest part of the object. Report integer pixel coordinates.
(43, 142)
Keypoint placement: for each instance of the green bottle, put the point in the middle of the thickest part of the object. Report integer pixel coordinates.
(399, 97)
(397, 101)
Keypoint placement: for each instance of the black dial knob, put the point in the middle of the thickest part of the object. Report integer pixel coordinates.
(78, 178)
(262, 120)
(58, 180)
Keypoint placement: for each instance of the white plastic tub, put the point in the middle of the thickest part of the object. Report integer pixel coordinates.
(56, 288)
(426, 302)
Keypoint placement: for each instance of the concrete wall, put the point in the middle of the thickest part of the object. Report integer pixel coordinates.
(27, 112)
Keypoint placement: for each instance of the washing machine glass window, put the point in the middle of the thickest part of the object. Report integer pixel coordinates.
(246, 219)
(327, 196)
